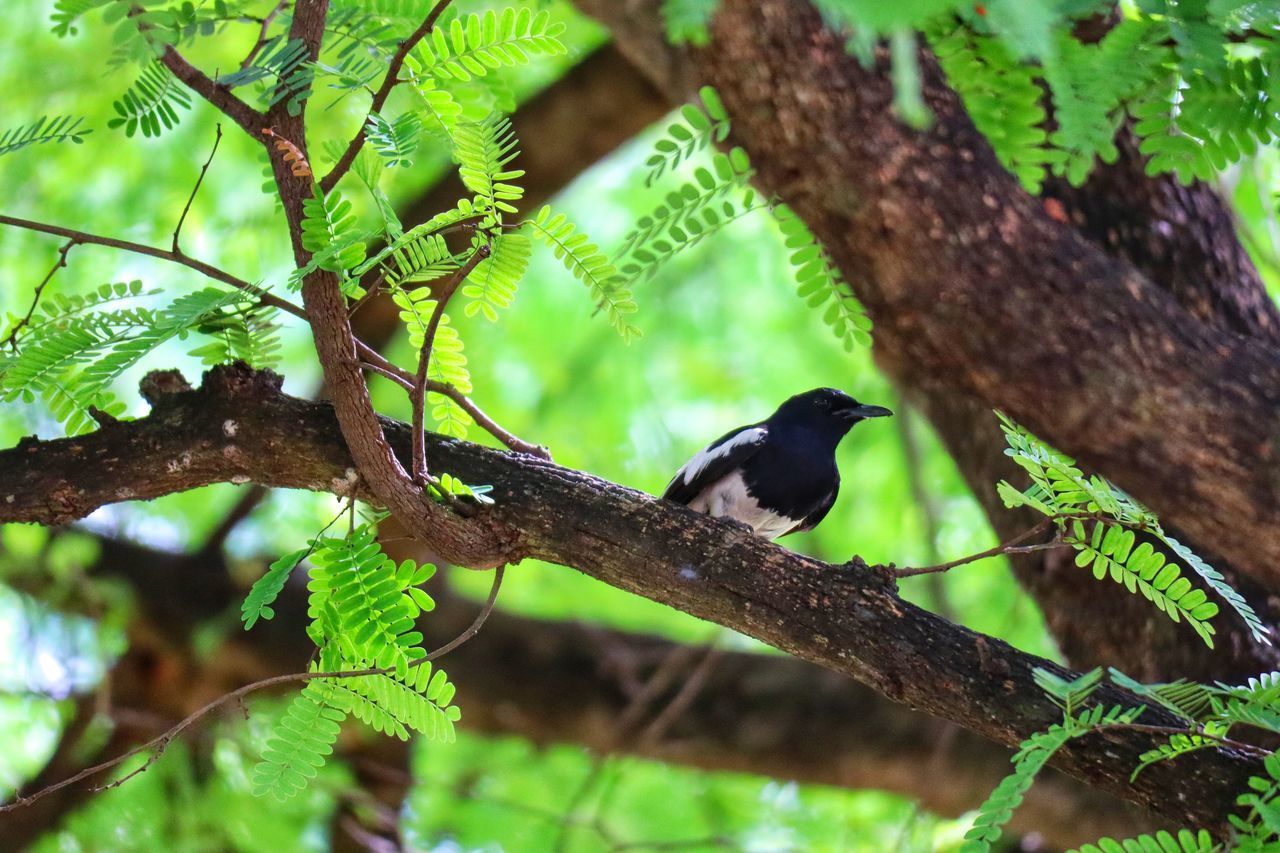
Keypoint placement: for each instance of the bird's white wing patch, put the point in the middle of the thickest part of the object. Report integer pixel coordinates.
(705, 457)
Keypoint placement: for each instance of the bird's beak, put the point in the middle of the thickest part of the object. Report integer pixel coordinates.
(864, 411)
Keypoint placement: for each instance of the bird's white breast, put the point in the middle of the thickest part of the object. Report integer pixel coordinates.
(729, 497)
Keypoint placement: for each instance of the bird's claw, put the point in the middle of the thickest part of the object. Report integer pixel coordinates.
(740, 526)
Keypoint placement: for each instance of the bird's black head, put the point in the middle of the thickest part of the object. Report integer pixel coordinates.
(826, 409)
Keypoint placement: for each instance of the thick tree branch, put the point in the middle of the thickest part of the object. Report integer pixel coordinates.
(239, 427)
(1014, 307)
(250, 120)
(455, 538)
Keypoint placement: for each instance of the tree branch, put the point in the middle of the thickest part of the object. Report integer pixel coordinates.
(1015, 307)
(250, 120)
(175, 257)
(845, 618)
(418, 395)
(389, 82)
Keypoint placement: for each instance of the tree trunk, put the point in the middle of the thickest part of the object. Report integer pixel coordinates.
(1134, 335)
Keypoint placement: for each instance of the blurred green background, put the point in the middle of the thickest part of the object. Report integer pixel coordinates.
(725, 340)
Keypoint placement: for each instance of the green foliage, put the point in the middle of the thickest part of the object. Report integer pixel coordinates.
(395, 140)
(330, 232)
(67, 12)
(448, 361)
(151, 103)
(421, 704)
(439, 106)
(250, 335)
(1196, 77)
(483, 151)
(481, 43)
(1163, 841)
(72, 355)
(1111, 552)
(718, 195)
(42, 130)
(1070, 695)
(589, 265)
(1002, 97)
(363, 608)
(1062, 492)
(727, 173)
(257, 604)
(687, 20)
(1259, 828)
(996, 810)
(302, 741)
(819, 282)
(698, 127)
(284, 61)
(492, 285)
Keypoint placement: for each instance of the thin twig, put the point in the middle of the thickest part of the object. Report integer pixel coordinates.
(1249, 748)
(262, 34)
(161, 742)
(217, 137)
(417, 397)
(1010, 547)
(12, 339)
(389, 82)
(163, 254)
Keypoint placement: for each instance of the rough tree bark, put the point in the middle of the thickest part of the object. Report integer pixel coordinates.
(1015, 308)
(564, 682)
(882, 208)
(239, 427)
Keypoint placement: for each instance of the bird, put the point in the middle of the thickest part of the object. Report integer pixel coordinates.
(777, 476)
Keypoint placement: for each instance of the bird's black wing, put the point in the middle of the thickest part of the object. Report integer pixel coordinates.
(720, 457)
(811, 520)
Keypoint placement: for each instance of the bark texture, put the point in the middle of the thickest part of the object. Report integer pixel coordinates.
(1014, 308)
(564, 682)
(846, 618)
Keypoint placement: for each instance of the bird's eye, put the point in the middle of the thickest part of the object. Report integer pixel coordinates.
(824, 403)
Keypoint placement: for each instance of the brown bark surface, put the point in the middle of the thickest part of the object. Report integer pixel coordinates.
(846, 618)
(1013, 308)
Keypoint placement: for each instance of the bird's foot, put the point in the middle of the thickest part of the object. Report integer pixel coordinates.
(740, 526)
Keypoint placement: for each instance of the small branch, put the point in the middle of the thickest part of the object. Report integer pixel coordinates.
(163, 254)
(250, 120)
(389, 82)
(12, 339)
(262, 34)
(417, 397)
(486, 423)
(161, 742)
(1010, 547)
(217, 137)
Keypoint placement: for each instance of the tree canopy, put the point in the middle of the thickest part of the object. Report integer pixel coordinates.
(345, 343)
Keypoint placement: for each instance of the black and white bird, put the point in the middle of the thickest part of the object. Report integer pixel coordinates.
(777, 476)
